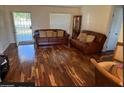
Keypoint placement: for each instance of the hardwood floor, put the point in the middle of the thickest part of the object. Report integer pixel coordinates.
(51, 66)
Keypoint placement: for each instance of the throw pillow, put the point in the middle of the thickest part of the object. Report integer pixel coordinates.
(82, 37)
(90, 38)
(117, 70)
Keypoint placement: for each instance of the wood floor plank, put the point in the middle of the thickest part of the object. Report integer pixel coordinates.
(51, 66)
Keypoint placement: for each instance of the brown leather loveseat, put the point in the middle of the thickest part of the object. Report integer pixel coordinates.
(50, 36)
(89, 46)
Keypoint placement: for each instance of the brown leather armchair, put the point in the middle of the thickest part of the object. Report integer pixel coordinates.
(92, 47)
(110, 73)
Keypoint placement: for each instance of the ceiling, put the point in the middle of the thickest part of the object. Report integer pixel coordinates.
(77, 6)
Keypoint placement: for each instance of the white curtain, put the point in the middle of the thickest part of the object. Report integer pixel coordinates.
(60, 21)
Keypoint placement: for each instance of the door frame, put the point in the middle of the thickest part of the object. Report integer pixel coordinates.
(14, 29)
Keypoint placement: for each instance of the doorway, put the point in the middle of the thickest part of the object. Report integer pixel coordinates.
(23, 28)
(115, 27)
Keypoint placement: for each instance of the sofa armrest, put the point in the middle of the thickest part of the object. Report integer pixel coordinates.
(106, 64)
(36, 34)
(93, 47)
(66, 35)
(36, 37)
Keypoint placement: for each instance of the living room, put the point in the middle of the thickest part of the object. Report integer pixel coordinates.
(62, 61)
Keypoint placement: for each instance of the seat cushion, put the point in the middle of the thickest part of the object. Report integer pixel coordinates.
(43, 39)
(52, 39)
(113, 67)
(61, 39)
(117, 70)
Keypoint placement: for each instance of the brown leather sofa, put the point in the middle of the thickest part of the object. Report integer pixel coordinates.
(50, 37)
(92, 47)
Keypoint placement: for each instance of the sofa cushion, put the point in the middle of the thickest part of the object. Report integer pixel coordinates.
(117, 70)
(113, 67)
(78, 44)
(42, 34)
(90, 38)
(61, 39)
(52, 39)
(54, 34)
(43, 39)
(49, 33)
(82, 37)
(60, 33)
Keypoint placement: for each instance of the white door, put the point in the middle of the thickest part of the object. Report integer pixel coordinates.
(23, 30)
(115, 27)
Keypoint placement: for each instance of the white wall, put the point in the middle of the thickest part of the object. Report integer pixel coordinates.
(4, 41)
(96, 17)
(120, 39)
(40, 16)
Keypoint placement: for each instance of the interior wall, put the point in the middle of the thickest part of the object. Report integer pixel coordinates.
(63, 19)
(40, 16)
(96, 17)
(4, 41)
(120, 39)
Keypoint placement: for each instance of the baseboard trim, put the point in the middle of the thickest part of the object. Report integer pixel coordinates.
(11, 44)
(108, 51)
(5, 47)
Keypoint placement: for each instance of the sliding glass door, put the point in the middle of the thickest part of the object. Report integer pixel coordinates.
(23, 27)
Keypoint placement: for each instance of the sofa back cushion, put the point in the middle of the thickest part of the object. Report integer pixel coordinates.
(54, 34)
(42, 33)
(60, 34)
(49, 33)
